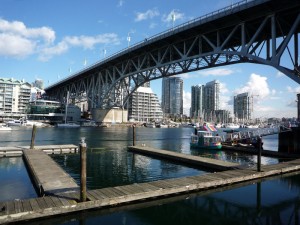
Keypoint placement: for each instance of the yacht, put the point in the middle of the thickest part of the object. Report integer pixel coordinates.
(15, 123)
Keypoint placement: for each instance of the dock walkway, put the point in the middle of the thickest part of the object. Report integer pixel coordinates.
(57, 204)
(184, 158)
(49, 149)
(48, 176)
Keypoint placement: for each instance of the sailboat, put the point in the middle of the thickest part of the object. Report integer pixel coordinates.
(67, 124)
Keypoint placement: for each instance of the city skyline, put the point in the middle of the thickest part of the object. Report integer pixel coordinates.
(36, 44)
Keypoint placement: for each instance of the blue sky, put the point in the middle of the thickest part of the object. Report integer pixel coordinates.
(47, 39)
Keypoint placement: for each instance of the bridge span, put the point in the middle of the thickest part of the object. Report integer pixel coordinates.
(250, 31)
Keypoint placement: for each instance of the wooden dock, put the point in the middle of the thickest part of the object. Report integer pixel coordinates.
(184, 158)
(49, 149)
(48, 176)
(253, 151)
(60, 204)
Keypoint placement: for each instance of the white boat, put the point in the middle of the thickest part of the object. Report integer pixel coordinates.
(252, 126)
(5, 128)
(36, 123)
(15, 123)
(161, 125)
(67, 124)
(232, 126)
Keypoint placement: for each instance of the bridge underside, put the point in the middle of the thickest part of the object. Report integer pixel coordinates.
(261, 32)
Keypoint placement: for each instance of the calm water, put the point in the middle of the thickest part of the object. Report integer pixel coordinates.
(109, 164)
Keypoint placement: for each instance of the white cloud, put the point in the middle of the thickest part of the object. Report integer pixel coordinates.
(216, 72)
(225, 102)
(279, 74)
(86, 42)
(16, 46)
(17, 40)
(187, 75)
(149, 14)
(293, 90)
(257, 85)
(49, 52)
(168, 18)
(291, 103)
(18, 28)
(152, 25)
(120, 3)
(186, 102)
(223, 88)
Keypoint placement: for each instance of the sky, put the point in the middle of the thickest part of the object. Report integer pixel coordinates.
(50, 40)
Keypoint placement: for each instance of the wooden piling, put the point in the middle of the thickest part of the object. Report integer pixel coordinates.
(259, 141)
(133, 135)
(82, 146)
(33, 137)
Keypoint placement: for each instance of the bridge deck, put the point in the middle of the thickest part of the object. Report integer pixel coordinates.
(58, 204)
(47, 175)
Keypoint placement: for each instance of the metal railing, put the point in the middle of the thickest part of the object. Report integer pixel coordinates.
(205, 18)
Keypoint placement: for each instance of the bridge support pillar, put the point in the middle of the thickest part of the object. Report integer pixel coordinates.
(114, 115)
(289, 141)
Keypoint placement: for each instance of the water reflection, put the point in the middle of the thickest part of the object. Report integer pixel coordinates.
(14, 180)
(273, 201)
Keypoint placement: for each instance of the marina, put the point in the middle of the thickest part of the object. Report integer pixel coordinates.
(134, 191)
(65, 201)
(182, 67)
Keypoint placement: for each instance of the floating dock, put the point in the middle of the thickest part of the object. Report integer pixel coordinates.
(253, 151)
(57, 204)
(60, 193)
(48, 176)
(184, 158)
(49, 149)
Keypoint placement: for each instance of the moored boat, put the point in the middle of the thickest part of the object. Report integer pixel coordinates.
(15, 123)
(205, 140)
(68, 125)
(204, 137)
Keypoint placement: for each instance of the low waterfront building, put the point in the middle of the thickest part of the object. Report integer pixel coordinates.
(51, 111)
(14, 95)
(144, 106)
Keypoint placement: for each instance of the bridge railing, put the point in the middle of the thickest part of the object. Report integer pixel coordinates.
(204, 18)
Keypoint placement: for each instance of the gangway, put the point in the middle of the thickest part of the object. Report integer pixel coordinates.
(248, 137)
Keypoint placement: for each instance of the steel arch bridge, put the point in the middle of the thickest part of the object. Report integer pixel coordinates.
(251, 31)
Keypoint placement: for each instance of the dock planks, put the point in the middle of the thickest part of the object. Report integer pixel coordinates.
(67, 202)
(184, 158)
(49, 149)
(48, 176)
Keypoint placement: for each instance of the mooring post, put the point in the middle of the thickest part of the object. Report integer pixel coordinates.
(259, 154)
(33, 137)
(133, 135)
(82, 148)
